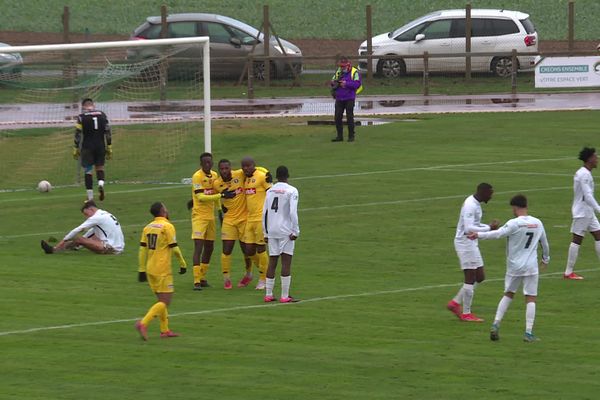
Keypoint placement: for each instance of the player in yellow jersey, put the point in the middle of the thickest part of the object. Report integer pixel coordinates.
(233, 221)
(204, 199)
(256, 184)
(157, 245)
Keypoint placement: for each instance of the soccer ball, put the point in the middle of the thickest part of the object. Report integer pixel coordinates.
(44, 186)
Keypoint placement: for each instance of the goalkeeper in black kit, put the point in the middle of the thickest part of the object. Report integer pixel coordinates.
(93, 145)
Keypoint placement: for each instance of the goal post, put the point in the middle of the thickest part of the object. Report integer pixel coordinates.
(204, 40)
(155, 93)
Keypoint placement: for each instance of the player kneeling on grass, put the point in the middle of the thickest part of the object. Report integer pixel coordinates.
(103, 234)
(524, 233)
(281, 229)
(157, 245)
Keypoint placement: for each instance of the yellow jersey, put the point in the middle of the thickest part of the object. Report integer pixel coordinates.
(160, 239)
(236, 207)
(255, 190)
(203, 183)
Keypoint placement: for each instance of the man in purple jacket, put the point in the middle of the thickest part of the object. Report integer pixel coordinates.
(345, 85)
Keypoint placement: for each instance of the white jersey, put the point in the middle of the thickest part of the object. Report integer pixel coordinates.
(105, 227)
(280, 211)
(469, 221)
(524, 233)
(584, 203)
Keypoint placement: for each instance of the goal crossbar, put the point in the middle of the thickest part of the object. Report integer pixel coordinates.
(204, 40)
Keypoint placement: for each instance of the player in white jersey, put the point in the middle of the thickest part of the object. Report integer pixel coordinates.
(583, 210)
(524, 233)
(281, 229)
(103, 234)
(468, 252)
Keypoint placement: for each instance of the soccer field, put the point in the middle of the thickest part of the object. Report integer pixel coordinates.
(374, 267)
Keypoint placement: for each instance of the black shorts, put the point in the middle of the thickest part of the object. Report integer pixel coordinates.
(93, 156)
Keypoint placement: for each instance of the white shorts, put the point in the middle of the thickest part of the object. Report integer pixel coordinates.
(277, 246)
(587, 224)
(470, 259)
(530, 284)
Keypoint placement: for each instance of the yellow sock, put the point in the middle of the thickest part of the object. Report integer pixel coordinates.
(226, 265)
(248, 264)
(197, 273)
(164, 320)
(203, 270)
(255, 261)
(263, 263)
(156, 310)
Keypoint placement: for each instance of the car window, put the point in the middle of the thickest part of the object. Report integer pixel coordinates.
(504, 27)
(218, 33)
(458, 28)
(182, 29)
(245, 38)
(482, 27)
(410, 34)
(438, 29)
(528, 25)
(152, 32)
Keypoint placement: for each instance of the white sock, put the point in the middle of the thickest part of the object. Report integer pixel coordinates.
(459, 296)
(285, 286)
(502, 307)
(572, 257)
(270, 286)
(529, 317)
(100, 183)
(90, 194)
(467, 298)
(597, 247)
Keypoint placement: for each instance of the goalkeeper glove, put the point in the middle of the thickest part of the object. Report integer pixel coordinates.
(109, 152)
(142, 276)
(76, 153)
(228, 194)
(182, 270)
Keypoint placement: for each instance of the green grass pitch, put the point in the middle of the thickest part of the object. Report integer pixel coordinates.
(374, 266)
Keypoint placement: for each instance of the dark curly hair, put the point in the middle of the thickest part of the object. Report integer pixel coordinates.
(586, 153)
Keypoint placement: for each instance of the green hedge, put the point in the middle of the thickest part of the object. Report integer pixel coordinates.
(291, 19)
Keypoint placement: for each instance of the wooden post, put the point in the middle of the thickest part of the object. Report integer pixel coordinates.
(65, 22)
(250, 77)
(571, 22)
(267, 45)
(468, 25)
(162, 66)
(426, 73)
(513, 73)
(369, 45)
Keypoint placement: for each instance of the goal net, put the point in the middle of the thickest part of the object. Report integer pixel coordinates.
(155, 93)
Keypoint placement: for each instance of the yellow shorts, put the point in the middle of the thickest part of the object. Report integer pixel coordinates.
(203, 229)
(254, 233)
(161, 284)
(233, 230)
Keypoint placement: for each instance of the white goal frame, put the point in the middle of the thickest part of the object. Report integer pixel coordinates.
(204, 40)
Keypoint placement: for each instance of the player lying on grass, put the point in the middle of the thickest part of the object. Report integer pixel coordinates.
(524, 233)
(103, 234)
(157, 245)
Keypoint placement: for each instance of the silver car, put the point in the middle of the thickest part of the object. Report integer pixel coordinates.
(10, 63)
(231, 41)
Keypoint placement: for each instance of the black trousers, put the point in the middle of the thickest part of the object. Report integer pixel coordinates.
(348, 106)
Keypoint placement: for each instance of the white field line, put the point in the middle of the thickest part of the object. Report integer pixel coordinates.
(262, 306)
(354, 205)
(485, 171)
(388, 171)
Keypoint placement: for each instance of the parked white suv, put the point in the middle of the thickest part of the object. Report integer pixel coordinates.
(443, 32)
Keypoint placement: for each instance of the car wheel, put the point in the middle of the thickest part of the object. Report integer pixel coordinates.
(259, 71)
(502, 66)
(391, 68)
